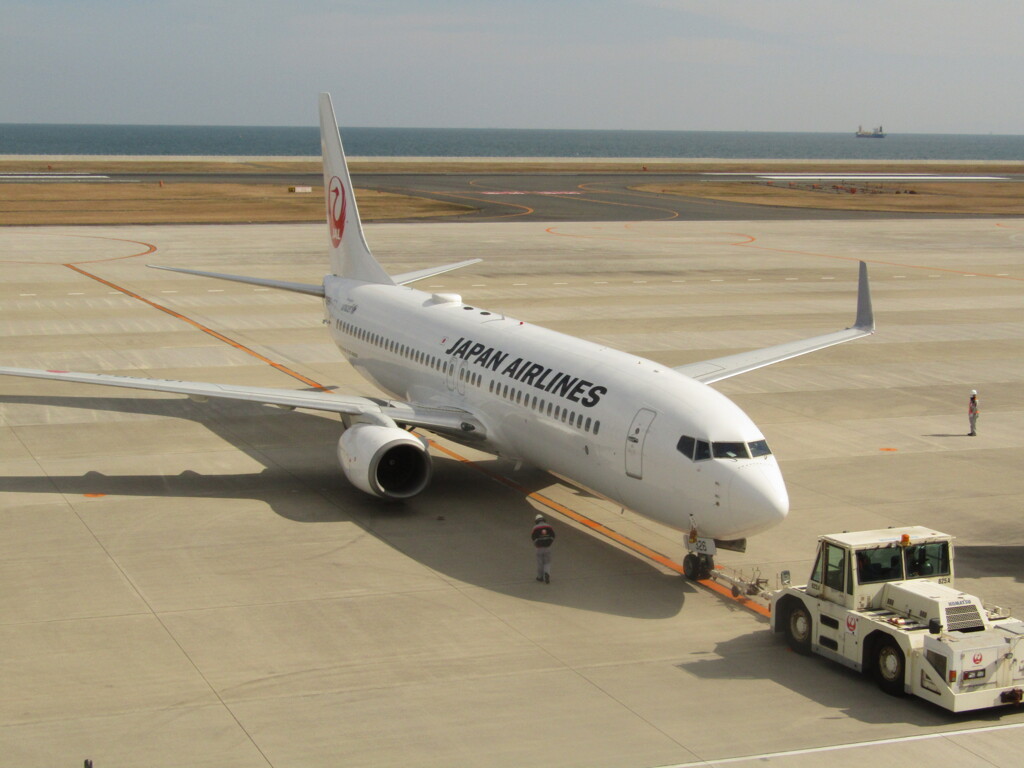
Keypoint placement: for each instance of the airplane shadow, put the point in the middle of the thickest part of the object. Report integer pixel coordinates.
(466, 526)
(980, 561)
(764, 656)
(947, 434)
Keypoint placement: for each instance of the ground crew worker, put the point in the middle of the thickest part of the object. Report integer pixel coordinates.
(972, 413)
(543, 536)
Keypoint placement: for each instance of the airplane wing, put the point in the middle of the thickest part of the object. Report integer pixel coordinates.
(709, 371)
(447, 420)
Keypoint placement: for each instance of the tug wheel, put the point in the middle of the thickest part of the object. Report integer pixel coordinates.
(798, 629)
(890, 667)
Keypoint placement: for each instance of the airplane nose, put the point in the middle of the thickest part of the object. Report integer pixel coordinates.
(758, 493)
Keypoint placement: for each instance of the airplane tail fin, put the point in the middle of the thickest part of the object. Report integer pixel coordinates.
(350, 255)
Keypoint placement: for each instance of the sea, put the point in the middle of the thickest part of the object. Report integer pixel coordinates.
(38, 139)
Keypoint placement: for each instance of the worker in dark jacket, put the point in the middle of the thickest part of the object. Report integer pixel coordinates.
(543, 536)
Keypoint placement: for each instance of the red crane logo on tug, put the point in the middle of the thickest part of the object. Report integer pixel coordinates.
(336, 205)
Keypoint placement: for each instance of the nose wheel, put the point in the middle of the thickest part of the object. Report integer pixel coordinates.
(697, 566)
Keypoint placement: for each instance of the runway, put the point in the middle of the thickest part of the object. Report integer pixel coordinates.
(562, 196)
(195, 583)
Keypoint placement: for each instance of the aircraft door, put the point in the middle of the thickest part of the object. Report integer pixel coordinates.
(635, 442)
(449, 372)
(463, 373)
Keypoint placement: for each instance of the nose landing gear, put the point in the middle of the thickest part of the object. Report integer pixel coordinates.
(697, 566)
(700, 562)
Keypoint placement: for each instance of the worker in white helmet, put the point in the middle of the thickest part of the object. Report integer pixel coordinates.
(972, 413)
(543, 536)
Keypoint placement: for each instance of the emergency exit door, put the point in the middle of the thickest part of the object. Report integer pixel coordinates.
(635, 442)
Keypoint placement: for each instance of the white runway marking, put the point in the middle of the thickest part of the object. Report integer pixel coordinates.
(862, 176)
(838, 747)
(61, 177)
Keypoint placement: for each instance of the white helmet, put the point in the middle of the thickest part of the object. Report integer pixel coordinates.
(974, 391)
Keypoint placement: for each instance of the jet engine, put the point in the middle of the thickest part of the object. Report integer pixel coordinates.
(384, 461)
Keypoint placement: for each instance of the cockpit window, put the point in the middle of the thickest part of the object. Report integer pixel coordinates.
(730, 450)
(700, 450)
(760, 448)
(685, 446)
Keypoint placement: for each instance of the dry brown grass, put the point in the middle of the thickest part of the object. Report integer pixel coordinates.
(995, 198)
(193, 203)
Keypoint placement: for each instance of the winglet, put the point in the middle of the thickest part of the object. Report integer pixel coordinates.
(865, 315)
(350, 255)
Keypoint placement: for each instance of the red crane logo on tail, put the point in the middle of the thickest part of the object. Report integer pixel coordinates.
(336, 204)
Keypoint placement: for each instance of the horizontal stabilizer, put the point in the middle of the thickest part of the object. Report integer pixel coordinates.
(412, 277)
(312, 290)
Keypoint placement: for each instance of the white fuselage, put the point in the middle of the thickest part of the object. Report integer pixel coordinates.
(607, 420)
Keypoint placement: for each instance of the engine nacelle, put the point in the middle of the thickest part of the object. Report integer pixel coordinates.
(385, 461)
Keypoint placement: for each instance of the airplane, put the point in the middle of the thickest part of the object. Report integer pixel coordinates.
(652, 438)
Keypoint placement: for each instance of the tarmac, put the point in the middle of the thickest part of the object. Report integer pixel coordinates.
(197, 584)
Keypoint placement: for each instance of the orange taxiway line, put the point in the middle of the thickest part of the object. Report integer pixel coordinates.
(199, 326)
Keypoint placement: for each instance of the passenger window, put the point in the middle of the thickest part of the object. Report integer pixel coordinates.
(597, 427)
(702, 451)
(685, 446)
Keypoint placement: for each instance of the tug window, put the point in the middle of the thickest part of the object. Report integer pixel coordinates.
(927, 560)
(835, 567)
(879, 564)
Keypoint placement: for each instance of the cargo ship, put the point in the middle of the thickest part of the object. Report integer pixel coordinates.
(876, 133)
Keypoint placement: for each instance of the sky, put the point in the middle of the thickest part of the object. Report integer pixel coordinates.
(913, 66)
